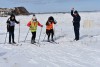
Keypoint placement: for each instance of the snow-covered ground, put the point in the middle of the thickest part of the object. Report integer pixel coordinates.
(83, 53)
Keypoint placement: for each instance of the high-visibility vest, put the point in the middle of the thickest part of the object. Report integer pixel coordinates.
(50, 26)
(33, 26)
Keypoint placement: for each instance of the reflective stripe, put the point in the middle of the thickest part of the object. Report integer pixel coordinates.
(33, 26)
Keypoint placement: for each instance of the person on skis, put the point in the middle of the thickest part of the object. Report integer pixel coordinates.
(49, 28)
(33, 27)
(10, 28)
(76, 23)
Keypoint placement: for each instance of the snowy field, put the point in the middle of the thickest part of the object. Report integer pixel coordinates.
(83, 53)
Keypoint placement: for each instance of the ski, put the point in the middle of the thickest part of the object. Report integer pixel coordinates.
(17, 44)
(53, 42)
(36, 44)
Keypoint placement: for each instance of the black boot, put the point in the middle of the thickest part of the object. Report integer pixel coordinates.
(9, 42)
(48, 40)
(32, 42)
(14, 42)
(52, 40)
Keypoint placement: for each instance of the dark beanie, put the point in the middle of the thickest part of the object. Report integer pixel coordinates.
(33, 14)
(75, 12)
(51, 18)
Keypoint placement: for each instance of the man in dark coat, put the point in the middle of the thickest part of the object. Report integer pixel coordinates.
(10, 27)
(76, 23)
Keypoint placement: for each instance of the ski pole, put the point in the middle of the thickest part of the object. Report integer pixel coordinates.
(5, 38)
(54, 33)
(44, 37)
(40, 35)
(26, 36)
(19, 32)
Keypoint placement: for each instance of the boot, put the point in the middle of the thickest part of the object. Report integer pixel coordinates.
(14, 42)
(32, 42)
(48, 40)
(9, 42)
(52, 40)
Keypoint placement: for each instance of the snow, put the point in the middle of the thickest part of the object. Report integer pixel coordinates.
(82, 53)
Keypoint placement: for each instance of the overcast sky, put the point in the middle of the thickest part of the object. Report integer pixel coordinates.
(52, 5)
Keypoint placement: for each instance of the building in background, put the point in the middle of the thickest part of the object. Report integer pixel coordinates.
(16, 10)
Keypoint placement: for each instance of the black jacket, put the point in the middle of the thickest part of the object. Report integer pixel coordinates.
(76, 19)
(11, 25)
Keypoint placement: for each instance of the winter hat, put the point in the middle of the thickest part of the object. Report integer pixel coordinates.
(12, 15)
(33, 14)
(34, 17)
(51, 18)
(75, 12)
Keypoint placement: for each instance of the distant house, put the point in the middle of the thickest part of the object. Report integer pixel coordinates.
(17, 11)
(5, 11)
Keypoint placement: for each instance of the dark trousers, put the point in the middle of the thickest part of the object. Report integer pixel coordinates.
(33, 35)
(50, 33)
(11, 35)
(76, 31)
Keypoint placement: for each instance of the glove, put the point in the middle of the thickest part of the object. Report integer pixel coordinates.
(41, 25)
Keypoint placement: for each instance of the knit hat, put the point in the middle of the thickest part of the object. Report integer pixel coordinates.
(75, 12)
(51, 18)
(34, 17)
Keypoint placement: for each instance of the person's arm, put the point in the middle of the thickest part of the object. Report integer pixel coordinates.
(17, 21)
(72, 12)
(55, 21)
(29, 24)
(40, 24)
(79, 18)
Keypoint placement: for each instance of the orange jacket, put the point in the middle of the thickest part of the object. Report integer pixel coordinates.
(49, 26)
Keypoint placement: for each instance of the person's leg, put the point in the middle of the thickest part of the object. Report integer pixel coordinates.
(76, 32)
(13, 37)
(34, 36)
(9, 37)
(48, 33)
(52, 34)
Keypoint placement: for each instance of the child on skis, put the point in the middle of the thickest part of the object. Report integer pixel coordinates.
(10, 27)
(49, 28)
(33, 27)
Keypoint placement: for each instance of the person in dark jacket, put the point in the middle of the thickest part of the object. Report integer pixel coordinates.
(76, 23)
(49, 28)
(10, 28)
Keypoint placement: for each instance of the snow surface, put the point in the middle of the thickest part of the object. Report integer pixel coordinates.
(83, 53)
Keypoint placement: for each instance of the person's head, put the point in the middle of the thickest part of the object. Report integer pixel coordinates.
(12, 17)
(51, 19)
(75, 13)
(33, 14)
(34, 18)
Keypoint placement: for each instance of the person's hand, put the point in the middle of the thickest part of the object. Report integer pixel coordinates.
(18, 22)
(72, 8)
(41, 25)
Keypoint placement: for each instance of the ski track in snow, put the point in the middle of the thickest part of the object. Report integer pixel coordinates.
(66, 53)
